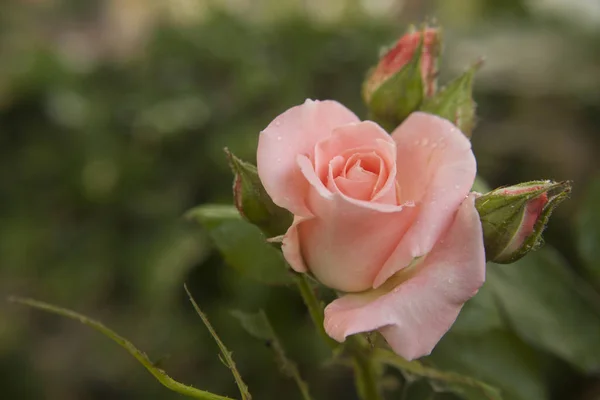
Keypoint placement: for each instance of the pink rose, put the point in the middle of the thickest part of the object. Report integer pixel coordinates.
(386, 219)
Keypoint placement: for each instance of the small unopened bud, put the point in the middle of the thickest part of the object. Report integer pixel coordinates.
(513, 218)
(253, 202)
(405, 74)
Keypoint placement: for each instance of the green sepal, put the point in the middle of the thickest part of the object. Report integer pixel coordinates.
(253, 202)
(454, 101)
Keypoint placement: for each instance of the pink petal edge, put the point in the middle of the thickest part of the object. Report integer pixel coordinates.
(294, 132)
(290, 247)
(436, 169)
(414, 315)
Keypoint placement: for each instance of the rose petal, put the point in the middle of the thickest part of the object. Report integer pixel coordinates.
(363, 136)
(435, 169)
(290, 247)
(360, 190)
(347, 240)
(355, 181)
(414, 315)
(295, 132)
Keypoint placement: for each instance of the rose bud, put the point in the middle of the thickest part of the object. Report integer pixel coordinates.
(253, 202)
(406, 73)
(513, 218)
(385, 219)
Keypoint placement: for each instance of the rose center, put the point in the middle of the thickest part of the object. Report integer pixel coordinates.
(359, 175)
(359, 166)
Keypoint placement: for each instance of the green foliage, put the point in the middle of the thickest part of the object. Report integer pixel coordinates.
(142, 358)
(242, 244)
(588, 229)
(258, 325)
(497, 357)
(536, 302)
(226, 355)
(465, 386)
(550, 307)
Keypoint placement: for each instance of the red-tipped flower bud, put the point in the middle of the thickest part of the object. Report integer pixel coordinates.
(404, 76)
(514, 217)
(401, 54)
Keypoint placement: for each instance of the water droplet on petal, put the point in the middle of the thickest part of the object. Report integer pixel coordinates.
(277, 123)
(425, 142)
(278, 137)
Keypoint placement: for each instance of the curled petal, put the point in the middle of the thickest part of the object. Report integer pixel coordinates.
(290, 247)
(435, 169)
(357, 138)
(415, 308)
(346, 242)
(295, 132)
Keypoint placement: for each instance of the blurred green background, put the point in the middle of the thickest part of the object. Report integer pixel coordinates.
(113, 117)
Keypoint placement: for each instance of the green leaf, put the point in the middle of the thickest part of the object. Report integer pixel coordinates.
(242, 244)
(419, 389)
(550, 307)
(443, 381)
(143, 359)
(497, 357)
(258, 325)
(226, 354)
(480, 314)
(253, 202)
(588, 224)
(455, 101)
(213, 215)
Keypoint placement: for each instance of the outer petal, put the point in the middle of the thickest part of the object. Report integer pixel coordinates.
(414, 315)
(291, 247)
(295, 132)
(435, 169)
(347, 241)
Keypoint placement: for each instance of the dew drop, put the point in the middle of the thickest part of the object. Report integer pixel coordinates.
(425, 142)
(277, 123)
(456, 186)
(278, 159)
(278, 138)
(416, 142)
